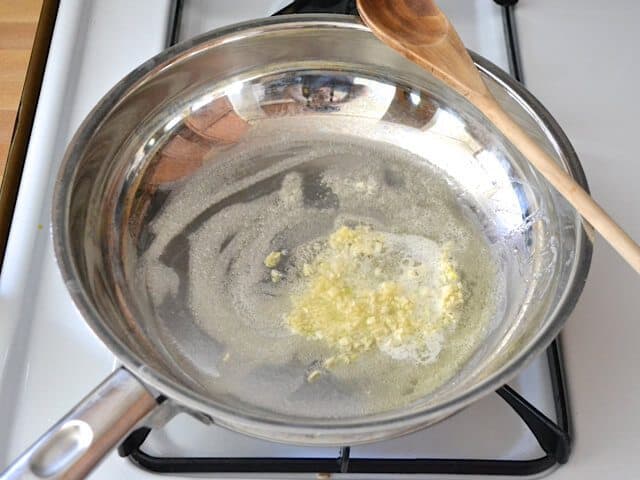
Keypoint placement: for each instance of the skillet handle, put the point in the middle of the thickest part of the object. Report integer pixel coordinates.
(74, 445)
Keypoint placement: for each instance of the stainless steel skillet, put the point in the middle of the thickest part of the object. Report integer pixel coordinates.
(135, 212)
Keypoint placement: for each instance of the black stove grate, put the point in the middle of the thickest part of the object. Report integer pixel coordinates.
(554, 438)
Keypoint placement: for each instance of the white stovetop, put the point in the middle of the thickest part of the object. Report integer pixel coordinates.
(48, 357)
(580, 60)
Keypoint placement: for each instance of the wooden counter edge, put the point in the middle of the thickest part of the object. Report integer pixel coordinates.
(24, 119)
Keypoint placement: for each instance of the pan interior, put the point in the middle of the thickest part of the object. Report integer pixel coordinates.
(278, 162)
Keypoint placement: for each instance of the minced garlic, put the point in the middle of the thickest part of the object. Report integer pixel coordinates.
(357, 295)
(273, 259)
(276, 275)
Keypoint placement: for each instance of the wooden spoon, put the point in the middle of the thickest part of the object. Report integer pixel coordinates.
(420, 31)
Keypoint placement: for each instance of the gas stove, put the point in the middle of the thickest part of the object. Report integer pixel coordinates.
(52, 358)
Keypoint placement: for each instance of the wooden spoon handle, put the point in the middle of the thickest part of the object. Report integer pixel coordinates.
(561, 180)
